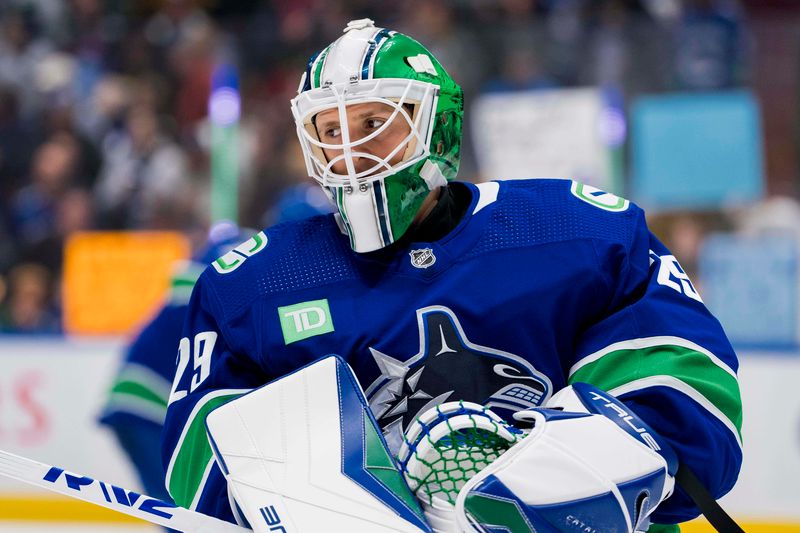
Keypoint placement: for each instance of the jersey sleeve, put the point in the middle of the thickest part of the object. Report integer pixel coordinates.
(141, 388)
(659, 350)
(211, 370)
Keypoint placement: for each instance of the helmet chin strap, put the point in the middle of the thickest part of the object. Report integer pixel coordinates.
(363, 225)
(428, 205)
(359, 209)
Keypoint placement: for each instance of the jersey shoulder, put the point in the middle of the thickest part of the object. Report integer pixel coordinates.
(287, 257)
(155, 345)
(543, 210)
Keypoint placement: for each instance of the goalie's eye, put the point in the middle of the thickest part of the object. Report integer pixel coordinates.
(332, 132)
(374, 123)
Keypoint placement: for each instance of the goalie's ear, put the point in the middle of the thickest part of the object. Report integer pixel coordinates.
(305, 453)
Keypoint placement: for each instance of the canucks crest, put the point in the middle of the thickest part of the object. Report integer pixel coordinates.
(449, 367)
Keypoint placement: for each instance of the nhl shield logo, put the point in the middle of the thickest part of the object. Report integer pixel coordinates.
(422, 258)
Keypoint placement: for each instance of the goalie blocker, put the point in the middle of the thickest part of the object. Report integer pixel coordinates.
(304, 454)
(588, 464)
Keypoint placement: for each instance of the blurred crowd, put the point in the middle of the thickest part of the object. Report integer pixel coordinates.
(103, 103)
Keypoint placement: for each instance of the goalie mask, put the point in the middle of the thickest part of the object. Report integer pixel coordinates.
(379, 122)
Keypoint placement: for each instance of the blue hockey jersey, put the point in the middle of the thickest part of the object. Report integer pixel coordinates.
(542, 283)
(141, 388)
(137, 402)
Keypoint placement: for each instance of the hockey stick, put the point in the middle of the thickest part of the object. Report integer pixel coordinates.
(112, 497)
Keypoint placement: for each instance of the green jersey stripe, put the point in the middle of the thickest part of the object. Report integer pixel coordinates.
(674, 383)
(649, 342)
(139, 390)
(188, 465)
(180, 295)
(183, 281)
(697, 370)
(147, 378)
(664, 528)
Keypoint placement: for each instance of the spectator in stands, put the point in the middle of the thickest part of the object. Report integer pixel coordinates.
(520, 70)
(8, 247)
(33, 207)
(709, 46)
(17, 144)
(27, 307)
(21, 51)
(143, 176)
(74, 212)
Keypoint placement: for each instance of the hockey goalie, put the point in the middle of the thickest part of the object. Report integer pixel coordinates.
(528, 352)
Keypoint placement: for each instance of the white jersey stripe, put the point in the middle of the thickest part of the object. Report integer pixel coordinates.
(136, 406)
(682, 387)
(488, 195)
(202, 485)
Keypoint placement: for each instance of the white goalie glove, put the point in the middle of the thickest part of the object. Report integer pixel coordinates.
(587, 464)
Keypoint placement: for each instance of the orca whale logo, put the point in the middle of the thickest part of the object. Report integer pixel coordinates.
(449, 367)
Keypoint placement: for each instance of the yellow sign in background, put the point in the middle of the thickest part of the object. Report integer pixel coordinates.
(114, 280)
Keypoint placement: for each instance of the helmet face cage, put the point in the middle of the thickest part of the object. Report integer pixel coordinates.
(392, 92)
(376, 205)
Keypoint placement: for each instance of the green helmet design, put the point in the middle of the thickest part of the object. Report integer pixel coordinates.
(368, 64)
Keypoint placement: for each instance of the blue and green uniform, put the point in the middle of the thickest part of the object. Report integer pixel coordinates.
(137, 402)
(541, 284)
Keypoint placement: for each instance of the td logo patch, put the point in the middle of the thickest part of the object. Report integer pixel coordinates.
(304, 320)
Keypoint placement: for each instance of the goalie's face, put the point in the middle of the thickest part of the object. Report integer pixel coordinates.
(379, 122)
(366, 143)
(373, 127)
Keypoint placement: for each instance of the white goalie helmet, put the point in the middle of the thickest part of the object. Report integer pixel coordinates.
(378, 187)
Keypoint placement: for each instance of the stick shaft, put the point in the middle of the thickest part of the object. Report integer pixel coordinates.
(111, 497)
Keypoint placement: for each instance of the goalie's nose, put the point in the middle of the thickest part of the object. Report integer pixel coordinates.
(366, 164)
